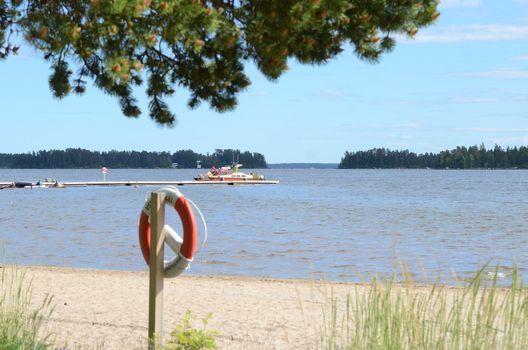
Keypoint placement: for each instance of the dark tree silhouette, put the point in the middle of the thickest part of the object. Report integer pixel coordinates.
(459, 158)
(81, 158)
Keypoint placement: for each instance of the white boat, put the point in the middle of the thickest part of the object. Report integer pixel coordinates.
(228, 173)
(46, 183)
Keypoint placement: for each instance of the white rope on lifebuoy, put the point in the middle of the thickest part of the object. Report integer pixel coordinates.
(204, 225)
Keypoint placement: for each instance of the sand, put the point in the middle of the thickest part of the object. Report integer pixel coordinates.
(109, 309)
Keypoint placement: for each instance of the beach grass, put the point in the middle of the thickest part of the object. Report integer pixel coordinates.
(391, 315)
(21, 326)
(485, 312)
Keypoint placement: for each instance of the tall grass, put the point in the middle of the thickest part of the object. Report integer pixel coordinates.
(388, 315)
(21, 324)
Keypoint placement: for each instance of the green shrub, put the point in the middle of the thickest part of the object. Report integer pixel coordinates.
(185, 337)
(20, 324)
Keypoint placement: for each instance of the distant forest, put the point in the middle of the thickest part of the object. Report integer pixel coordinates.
(303, 166)
(76, 158)
(473, 157)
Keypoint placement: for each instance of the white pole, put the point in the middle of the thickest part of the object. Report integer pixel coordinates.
(104, 170)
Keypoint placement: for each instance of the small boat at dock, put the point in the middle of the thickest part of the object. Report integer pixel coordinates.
(7, 185)
(228, 173)
(46, 183)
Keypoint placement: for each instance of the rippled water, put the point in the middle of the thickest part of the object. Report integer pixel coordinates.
(345, 225)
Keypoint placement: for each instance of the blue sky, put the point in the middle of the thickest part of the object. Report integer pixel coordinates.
(462, 81)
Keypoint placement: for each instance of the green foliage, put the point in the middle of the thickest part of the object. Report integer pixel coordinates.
(60, 79)
(459, 158)
(199, 45)
(20, 325)
(185, 337)
(81, 158)
(408, 316)
(7, 17)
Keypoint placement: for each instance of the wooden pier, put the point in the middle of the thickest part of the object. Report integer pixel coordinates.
(61, 184)
(165, 183)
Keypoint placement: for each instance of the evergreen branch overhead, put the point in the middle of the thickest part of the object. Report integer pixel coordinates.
(199, 45)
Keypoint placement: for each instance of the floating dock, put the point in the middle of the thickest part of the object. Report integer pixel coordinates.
(61, 184)
(165, 183)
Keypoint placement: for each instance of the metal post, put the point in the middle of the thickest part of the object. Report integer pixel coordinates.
(157, 221)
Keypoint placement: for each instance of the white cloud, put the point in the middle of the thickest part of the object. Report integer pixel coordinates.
(396, 102)
(473, 32)
(496, 129)
(329, 93)
(521, 58)
(473, 99)
(499, 74)
(460, 3)
(514, 140)
(411, 125)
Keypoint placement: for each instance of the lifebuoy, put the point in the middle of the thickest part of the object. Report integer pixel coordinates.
(184, 248)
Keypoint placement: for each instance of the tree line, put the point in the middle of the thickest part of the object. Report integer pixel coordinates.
(76, 158)
(220, 157)
(474, 157)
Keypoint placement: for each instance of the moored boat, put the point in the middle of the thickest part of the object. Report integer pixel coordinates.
(7, 185)
(46, 183)
(228, 173)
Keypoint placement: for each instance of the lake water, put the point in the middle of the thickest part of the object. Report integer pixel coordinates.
(345, 225)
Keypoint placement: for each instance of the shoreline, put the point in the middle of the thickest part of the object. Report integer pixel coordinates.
(108, 309)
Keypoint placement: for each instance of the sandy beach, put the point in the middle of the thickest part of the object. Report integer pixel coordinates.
(97, 309)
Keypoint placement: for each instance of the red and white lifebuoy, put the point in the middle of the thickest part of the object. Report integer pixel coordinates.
(184, 248)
